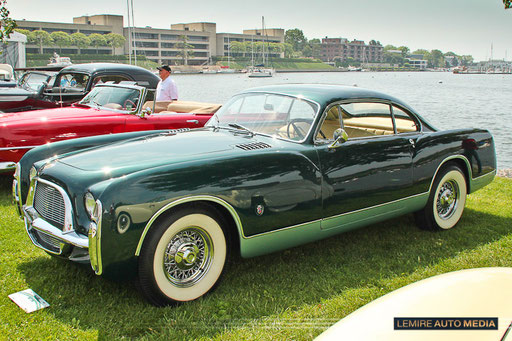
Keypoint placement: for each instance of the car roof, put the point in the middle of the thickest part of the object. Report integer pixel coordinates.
(95, 67)
(324, 94)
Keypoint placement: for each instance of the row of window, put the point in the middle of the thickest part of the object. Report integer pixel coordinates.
(168, 45)
(154, 36)
(69, 31)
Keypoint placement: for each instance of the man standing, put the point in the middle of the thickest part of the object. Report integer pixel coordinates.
(166, 89)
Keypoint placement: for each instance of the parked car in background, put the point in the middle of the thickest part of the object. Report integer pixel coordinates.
(69, 85)
(107, 109)
(275, 167)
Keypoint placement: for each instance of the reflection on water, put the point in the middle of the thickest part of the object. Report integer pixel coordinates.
(444, 99)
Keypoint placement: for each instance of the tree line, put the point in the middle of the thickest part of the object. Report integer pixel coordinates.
(302, 47)
(62, 39)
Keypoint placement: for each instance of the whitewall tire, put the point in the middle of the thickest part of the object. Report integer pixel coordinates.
(183, 257)
(446, 201)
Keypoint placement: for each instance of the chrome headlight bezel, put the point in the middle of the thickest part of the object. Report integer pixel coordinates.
(32, 173)
(93, 207)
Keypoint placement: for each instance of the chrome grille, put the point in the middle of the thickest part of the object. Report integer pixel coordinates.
(47, 242)
(49, 203)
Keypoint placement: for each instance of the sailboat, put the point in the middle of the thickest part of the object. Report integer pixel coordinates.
(257, 71)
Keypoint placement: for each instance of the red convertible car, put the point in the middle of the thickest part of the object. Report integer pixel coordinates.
(107, 109)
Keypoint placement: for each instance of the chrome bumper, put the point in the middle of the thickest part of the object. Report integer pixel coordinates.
(7, 167)
(48, 237)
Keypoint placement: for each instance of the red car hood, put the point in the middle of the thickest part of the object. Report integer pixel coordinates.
(51, 114)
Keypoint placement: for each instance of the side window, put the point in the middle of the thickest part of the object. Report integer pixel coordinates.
(329, 125)
(403, 121)
(116, 79)
(366, 119)
(72, 82)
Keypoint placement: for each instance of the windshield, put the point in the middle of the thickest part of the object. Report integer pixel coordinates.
(33, 81)
(270, 114)
(113, 98)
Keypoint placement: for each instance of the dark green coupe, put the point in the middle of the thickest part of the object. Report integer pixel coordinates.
(275, 167)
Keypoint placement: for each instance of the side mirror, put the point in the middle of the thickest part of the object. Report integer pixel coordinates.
(145, 112)
(340, 136)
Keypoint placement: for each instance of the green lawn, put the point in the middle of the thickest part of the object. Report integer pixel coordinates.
(295, 294)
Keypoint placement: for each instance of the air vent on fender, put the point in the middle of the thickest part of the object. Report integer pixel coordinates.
(253, 146)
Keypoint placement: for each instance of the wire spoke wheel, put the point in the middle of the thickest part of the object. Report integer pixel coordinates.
(446, 201)
(183, 257)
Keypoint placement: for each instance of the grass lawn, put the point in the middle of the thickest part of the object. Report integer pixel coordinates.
(294, 294)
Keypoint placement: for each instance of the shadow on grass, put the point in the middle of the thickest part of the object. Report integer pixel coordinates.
(257, 287)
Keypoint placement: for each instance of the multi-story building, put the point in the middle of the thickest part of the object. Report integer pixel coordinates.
(341, 49)
(101, 24)
(187, 43)
(268, 36)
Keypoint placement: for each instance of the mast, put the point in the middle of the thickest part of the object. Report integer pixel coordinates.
(134, 47)
(263, 35)
(129, 32)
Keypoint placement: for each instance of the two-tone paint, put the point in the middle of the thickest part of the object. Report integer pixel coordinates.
(281, 195)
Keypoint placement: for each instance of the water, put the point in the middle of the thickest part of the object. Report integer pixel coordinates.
(446, 100)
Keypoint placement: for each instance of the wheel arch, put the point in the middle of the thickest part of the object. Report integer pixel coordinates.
(221, 207)
(458, 160)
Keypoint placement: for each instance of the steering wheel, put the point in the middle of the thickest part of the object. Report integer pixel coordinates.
(297, 130)
(128, 101)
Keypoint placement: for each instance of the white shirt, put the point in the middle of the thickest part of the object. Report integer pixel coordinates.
(166, 90)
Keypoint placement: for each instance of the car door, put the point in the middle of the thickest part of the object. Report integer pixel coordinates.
(371, 169)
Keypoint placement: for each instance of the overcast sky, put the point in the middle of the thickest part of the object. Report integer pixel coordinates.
(461, 26)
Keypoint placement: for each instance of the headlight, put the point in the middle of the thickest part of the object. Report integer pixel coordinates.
(33, 173)
(92, 206)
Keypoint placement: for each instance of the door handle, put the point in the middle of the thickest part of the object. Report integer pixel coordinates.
(413, 144)
(193, 121)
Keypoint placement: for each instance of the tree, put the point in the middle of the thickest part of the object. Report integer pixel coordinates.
(315, 48)
(7, 25)
(237, 47)
(437, 58)
(97, 40)
(26, 33)
(405, 50)
(41, 38)
(185, 49)
(507, 3)
(80, 40)
(288, 50)
(115, 40)
(61, 39)
(296, 38)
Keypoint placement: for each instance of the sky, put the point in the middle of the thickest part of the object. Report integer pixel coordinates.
(460, 26)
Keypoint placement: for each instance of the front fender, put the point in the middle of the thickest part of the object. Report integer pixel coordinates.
(55, 149)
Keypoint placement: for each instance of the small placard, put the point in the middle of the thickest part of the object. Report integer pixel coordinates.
(28, 300)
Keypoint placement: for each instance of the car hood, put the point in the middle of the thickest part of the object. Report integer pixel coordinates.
(156, 150)
(50, 114)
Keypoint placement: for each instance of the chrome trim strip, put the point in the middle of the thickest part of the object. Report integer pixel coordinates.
(453, 157)
(17, 148)
(219, 201)
(375, 206)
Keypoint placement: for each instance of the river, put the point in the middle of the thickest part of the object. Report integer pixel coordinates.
(446, 100)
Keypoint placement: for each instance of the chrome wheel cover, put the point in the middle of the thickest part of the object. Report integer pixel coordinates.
(447, 199)
(188, 257)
